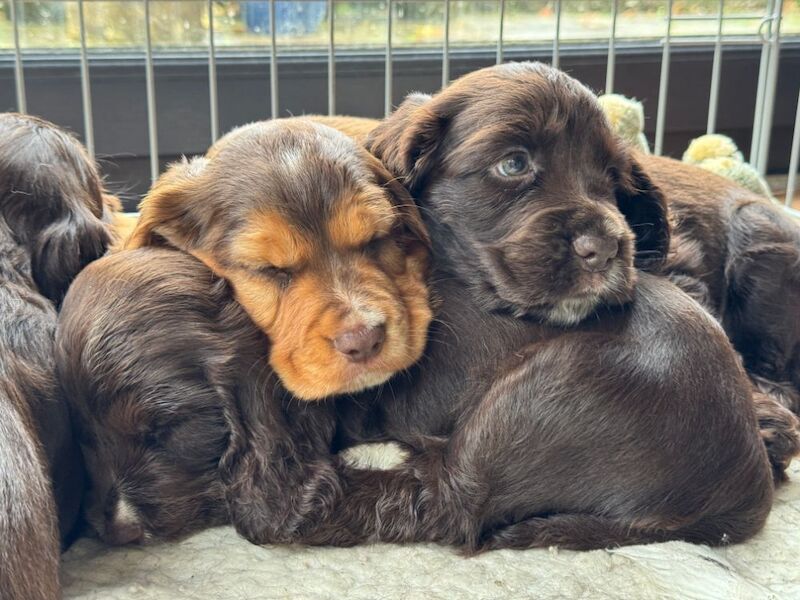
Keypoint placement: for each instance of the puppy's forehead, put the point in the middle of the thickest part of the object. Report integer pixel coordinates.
(296, 168)
(544, 99)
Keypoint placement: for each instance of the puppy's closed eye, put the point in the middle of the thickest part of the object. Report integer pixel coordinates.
(282, 277)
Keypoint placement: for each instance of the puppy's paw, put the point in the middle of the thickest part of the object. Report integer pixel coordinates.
(780, 431)
(380, 457)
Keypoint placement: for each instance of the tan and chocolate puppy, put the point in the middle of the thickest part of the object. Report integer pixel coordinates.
(326, 255)
(324, 250)
(53, 221)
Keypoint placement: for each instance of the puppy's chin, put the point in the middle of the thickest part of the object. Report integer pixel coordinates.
(352, 379)
(589, 292)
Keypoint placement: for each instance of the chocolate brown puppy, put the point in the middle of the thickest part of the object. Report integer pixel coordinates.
(326, 258)
(635, 425)
(52, 223)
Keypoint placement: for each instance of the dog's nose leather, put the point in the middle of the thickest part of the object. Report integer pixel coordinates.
(595, 252)
(360, 343)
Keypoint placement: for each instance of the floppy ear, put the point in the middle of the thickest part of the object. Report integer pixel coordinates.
(169, 212)
(407, 141)
(248, 468)
(402, 201)
(63, 248)
(645, 209)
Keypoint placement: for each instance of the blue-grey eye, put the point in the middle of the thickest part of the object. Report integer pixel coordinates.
(514, 165)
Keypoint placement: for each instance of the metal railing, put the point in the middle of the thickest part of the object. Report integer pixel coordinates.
(768, 29)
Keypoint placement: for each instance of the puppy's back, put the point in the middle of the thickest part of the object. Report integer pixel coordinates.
(28, 527)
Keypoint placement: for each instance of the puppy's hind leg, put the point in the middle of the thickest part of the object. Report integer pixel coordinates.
(571, 532)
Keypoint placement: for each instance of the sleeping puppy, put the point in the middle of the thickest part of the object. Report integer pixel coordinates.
(324, 262)
(52, 223)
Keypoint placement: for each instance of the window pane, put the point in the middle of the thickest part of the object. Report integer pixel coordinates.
(302, 25)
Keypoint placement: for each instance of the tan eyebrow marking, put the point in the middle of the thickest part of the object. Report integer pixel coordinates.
(360, 218)
(270, 239)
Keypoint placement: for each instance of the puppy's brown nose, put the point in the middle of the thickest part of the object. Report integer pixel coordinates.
(360, 343)
(596, 252)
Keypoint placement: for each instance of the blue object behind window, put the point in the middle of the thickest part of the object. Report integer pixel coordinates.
(293, 18)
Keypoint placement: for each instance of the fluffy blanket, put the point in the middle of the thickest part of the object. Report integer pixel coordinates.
(217, 564)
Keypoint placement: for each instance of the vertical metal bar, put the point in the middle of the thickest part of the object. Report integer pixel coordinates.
(387, 82)
(791, 183)
(86, 92)
(500, 32)
(212, 74)
(152, 127)
(274, 106)
(557, 38)
(716, 73)
(331, 61)
(612, 51)
(769, 88)
(758, 114)
(663, 84)
(446, 46)
(19, 76)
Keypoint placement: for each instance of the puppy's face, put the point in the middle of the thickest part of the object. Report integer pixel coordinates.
(528, 195)
(153, 471)
(324, 251)
(51, 197)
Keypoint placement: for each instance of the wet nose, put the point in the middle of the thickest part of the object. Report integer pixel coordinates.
(121, 533)
(360, 343)
(596, 252)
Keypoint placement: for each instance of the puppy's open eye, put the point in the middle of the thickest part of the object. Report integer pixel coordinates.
(514, 165)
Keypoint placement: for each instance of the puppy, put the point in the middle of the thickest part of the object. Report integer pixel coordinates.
(635, 425)
(326, 258)
(52, 216)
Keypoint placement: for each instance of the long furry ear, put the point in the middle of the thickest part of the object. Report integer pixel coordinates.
(645, 209)
(407, 141)
(168, 214)
(64, 248)
(402, 201)
(247, 468)
(50, 198)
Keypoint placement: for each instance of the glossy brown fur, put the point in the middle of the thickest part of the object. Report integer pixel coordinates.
(52, 222)
(738, 255)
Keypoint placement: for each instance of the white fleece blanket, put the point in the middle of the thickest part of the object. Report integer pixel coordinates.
(217, 564)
